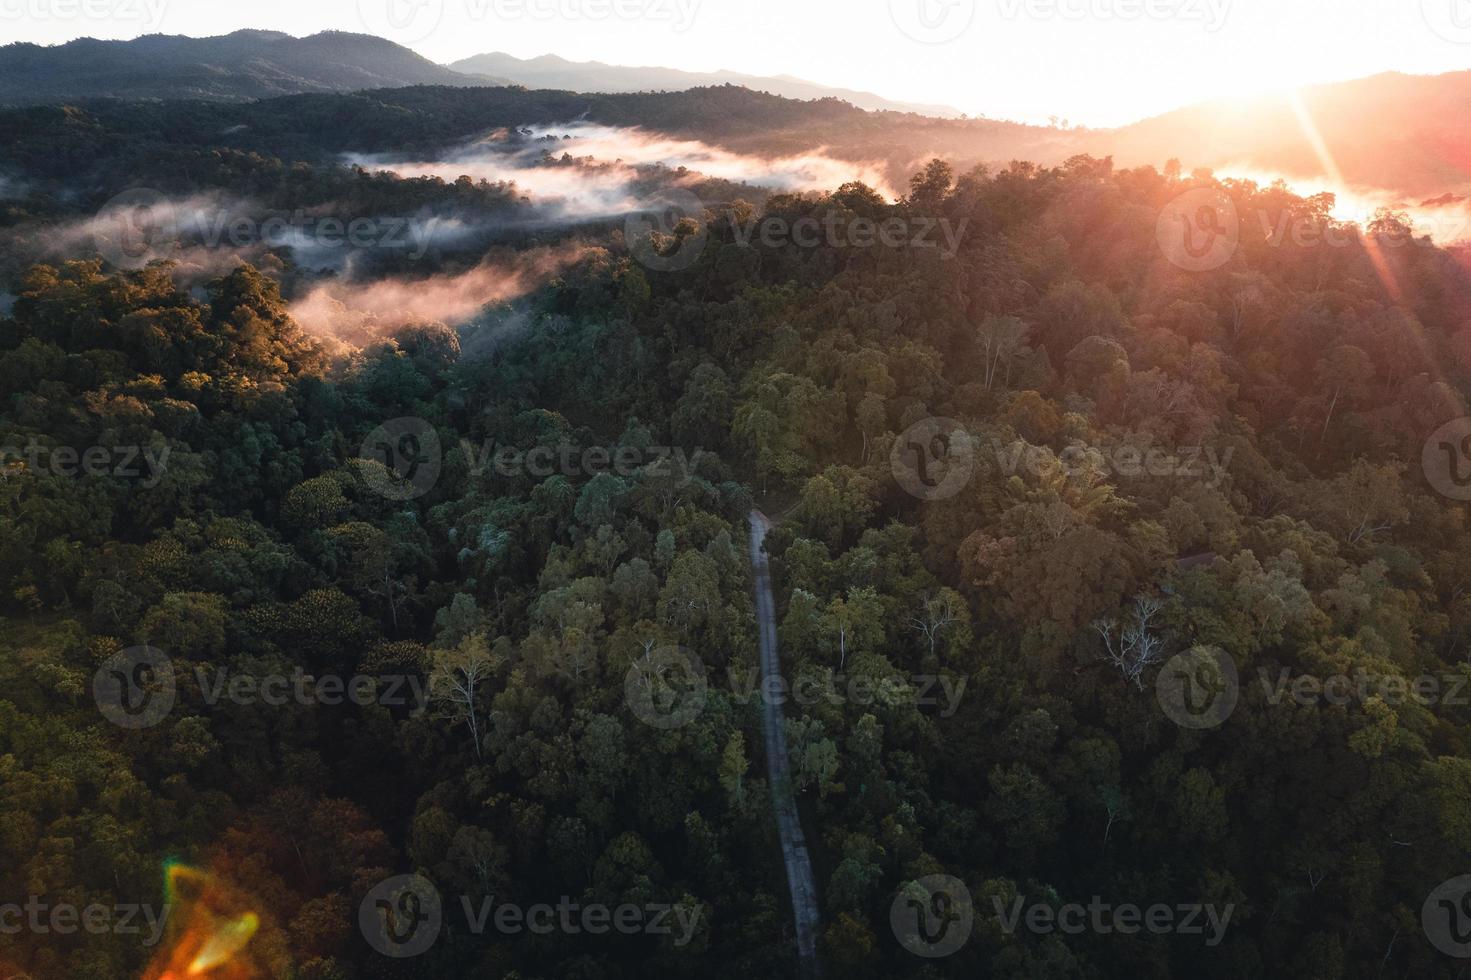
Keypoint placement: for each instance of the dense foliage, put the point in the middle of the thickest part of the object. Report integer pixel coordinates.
(784, 374)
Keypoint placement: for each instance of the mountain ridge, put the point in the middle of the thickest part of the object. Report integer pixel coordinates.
(245, 64)
(554, 71)
(1259, 135)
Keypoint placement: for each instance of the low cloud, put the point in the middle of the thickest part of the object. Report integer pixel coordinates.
(582, 171)
(566, 175)
(136, 227)
(217, 232)
(811, 171)
(358, 313)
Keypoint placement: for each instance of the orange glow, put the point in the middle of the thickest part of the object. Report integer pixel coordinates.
(212, 927)
(1330, 167)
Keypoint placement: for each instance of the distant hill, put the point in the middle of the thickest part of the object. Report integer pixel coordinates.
(242, 65)
(1407, 133)
(550, 71)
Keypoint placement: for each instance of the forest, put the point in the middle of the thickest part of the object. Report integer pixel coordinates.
(406, 581)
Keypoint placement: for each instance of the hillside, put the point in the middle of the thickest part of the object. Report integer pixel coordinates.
(550, 71)
(1429, 152)
(242, 65)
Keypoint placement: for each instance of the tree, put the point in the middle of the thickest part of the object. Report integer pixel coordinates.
(691, 593)
(186, 624)
(315, 503)
(1346, 372)
(928, 187)
(855, 622)
(733, 767)
(1002, 342)
(836, 502)
(1133, 646)
(598, 503)
(939, 613)
(1363, 501)
(457, 682)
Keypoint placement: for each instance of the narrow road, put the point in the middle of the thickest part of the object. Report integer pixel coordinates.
(778, 767)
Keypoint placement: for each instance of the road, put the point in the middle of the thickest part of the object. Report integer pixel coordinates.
(778, 767)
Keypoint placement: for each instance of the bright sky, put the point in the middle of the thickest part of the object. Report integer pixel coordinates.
(1097, 62)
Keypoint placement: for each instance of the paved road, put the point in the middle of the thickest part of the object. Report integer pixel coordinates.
(778, 767)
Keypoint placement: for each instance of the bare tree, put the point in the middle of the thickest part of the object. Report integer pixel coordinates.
(458, 674)
(1130, 646)
(937, 613)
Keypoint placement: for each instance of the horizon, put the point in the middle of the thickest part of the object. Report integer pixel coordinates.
(1121, 50)
(1284, 93)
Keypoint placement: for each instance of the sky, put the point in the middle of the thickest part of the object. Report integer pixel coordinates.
(1091, 62)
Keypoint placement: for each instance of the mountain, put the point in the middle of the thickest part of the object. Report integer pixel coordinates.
(550, 71)
(1428, 156)
(242, 65)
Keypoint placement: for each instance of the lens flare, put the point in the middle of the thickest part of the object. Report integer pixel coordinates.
(212, 927)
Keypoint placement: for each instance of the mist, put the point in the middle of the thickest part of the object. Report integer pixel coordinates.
(566, 175)
(216, 232)
(357, 313)
(582, 171)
